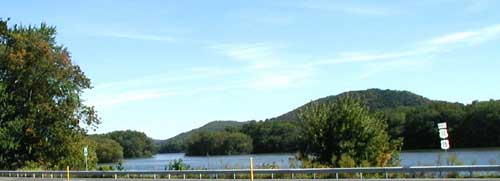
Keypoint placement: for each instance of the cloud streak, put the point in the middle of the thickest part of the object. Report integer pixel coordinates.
(466, 37)
(346, 8)
(137, 36)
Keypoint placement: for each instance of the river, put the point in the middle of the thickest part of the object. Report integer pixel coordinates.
(408, 158)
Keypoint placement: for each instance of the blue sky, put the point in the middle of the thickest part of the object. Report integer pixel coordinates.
(165, 67)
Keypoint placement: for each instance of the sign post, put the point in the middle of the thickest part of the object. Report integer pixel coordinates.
(251, 169)
(86, 153)
(443, 134)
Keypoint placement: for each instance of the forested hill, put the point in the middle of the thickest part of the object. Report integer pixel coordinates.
(374, 99)
(175, 143)
(408, 116)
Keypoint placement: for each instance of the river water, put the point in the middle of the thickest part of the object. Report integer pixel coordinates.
(408, 158)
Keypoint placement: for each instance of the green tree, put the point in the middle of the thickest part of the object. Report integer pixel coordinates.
(344, 133)
(107, 150)
(41, 112)
(134, 143)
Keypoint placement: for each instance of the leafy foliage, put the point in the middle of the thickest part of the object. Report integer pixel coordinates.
(343, 133)
(134, 143)
(219, 143)
(41, 112)
(177, 165)
(107, 150)
(269, 137)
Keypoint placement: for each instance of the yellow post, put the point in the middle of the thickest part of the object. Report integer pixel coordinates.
(251, 169)
(67, 172)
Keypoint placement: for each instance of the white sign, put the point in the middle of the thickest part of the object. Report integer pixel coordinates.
(445, 144)
(443, 134)
(442, 125)
(85, 151)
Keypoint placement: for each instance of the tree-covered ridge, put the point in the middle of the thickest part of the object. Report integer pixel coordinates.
(407, 115)
(176, 143)
(374, 99)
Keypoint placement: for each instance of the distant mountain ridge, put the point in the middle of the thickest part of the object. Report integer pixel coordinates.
(374, 99)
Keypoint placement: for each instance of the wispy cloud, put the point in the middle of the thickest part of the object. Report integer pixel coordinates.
(268, 68)
(391, 60)
(113, 99)
(257, 55)
(344, 7)
(136, 36)
(466, 37)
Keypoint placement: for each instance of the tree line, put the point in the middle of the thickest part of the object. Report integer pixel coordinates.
(116, 145)
(470, 125)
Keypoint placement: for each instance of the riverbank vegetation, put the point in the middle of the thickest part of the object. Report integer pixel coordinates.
(116, 145)
(219, 143)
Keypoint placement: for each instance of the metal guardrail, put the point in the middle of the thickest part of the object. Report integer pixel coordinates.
(360, 170)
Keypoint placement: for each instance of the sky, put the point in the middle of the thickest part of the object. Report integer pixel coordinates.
(166, 67)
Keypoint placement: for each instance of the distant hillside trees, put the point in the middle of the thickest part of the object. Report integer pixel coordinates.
(218, 143)
(134, 143)
(481, 125)
(407, 115)
(272, 137)
(43, 120)
(343, 133)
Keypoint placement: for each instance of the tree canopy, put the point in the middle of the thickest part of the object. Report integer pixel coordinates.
(107, 150)
(41, 113)
(344, 133)
(134, 143)
(218, 143)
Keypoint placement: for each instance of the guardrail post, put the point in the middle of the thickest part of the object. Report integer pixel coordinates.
(216, 176)
(337, 175)
(200, 176)
(154, 176)
(116, 177)
(33, 175)
(51, 175)
(361, 175)
(272, 176)
(386, 175)
(168, 176)
(292, 175)
(183, 176)
(314, 175)
(234, 175)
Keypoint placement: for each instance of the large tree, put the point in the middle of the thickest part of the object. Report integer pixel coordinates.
(343, 133)
(41, 113)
